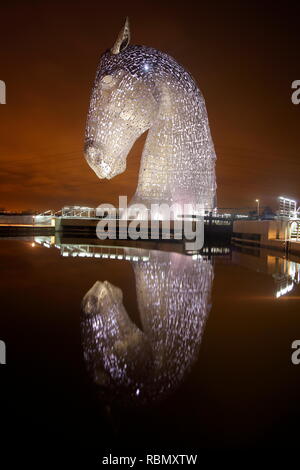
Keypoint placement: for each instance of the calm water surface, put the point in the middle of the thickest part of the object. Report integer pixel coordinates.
(113, 349)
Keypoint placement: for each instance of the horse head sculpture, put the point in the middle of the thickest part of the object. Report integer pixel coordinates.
(138, 88)
(141, 365)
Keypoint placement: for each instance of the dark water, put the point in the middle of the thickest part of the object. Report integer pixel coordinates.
(171, 353)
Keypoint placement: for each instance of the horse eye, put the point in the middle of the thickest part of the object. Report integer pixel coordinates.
(107, 80)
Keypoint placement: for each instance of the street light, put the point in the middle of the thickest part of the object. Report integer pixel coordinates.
(257, 202)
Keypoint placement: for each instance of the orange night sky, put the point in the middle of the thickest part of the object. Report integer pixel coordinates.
(244, 56)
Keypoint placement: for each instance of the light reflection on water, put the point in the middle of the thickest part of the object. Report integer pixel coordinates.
(150, 334)
(137, 365)
(140, 365)
(285, 272)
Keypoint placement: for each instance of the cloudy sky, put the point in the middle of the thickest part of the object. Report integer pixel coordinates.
(244, 56)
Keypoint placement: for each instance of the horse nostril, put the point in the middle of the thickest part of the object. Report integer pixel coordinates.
(94, 152)
(91, 152)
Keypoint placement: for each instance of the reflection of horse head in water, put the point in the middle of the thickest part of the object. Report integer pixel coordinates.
(139, 88)
(141, 365)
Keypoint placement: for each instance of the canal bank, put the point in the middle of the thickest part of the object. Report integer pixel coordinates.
(279, 234)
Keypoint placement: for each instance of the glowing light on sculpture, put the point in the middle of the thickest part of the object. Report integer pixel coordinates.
(138, 88)
(141, 365)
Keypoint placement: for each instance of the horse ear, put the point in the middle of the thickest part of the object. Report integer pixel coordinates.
(122, 40)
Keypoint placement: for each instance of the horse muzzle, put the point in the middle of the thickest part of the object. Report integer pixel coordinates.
(103, 166)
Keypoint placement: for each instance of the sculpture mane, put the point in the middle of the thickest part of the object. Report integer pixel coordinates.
(138, 88)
